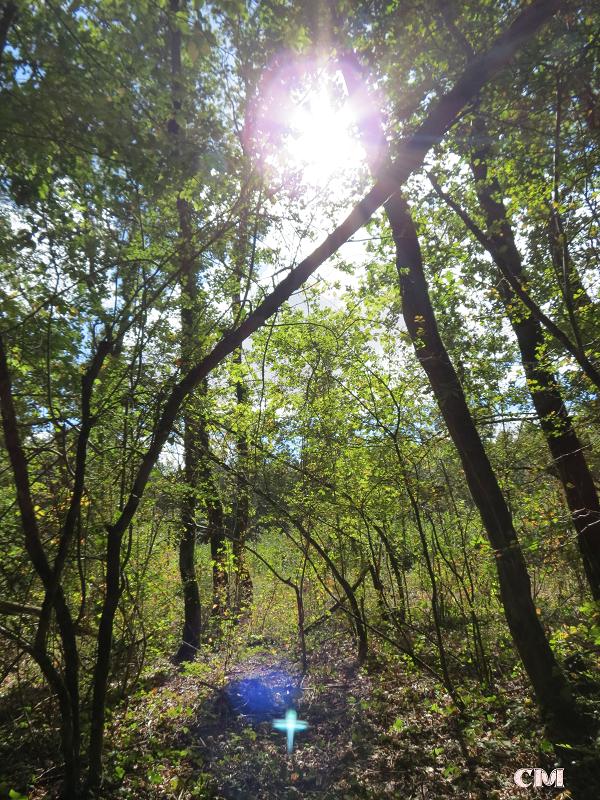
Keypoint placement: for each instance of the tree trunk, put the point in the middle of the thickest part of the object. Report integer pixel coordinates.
(195, 436)
(298, 590)
(216, 535)
(400, 611)
(435, 605)
(102, 666)
(243, 579)
(192, 617)
(555, 421)
(218, 553)
(243, 269)
(549, 684)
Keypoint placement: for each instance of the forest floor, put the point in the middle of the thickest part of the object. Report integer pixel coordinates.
(385, 731)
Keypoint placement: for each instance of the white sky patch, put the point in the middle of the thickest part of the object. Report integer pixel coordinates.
(322, 142)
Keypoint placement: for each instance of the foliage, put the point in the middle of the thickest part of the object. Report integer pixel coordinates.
(142, 220)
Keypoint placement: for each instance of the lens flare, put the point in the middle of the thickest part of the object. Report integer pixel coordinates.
(290, 726)
(304, 124)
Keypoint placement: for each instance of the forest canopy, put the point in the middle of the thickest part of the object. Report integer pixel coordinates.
(299, 373)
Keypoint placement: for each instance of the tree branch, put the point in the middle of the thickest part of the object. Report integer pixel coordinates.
(409, 157)
(496, 252)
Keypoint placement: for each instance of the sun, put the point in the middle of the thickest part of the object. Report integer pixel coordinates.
(307, 127)
(322, 141)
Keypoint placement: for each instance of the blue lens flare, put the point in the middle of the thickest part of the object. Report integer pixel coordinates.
(290, 726)
(262, 698)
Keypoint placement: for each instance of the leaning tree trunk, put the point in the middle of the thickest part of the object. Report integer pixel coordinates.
(549, 684)
(556, 423)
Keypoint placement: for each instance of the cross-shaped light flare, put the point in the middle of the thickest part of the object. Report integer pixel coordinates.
(290, 725)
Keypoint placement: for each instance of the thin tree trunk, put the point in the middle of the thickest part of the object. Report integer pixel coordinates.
(243, 267)
(208, 491)
(298, 591)
(379, 591)
(195, 436)
(218, 547)
(435, 605)
(102, 666)
(573, 290)
(192, 415)
(479, 657)
(192, 610)
(398, 572)
(337, 605)
(243, 579)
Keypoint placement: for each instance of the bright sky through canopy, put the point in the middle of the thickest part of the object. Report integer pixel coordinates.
(321, 141)
(306, 127)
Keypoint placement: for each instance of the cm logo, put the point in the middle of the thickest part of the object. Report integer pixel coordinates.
(536, 777)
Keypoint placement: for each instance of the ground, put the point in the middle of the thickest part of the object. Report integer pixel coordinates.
(374, 733)
(384, 731)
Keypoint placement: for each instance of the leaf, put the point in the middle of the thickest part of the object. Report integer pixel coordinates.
(154, 777)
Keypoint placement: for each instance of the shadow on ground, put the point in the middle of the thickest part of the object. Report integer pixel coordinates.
(246, 758)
